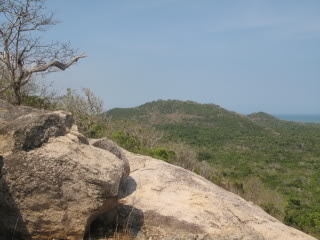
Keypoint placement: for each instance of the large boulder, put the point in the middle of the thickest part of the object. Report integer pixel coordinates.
(53, 184)
(162, 201)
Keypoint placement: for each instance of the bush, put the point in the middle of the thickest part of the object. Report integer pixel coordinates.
(37, 102)
(272, 209)
(96, 130)
(204, 156)
(162, 153)
(86, 109)
(132, 136)
(126, 141)
(303, 217)
(253, 189)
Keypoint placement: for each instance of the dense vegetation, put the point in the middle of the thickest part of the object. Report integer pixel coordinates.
(271, 162)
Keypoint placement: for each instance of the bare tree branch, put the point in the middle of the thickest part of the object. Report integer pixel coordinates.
(5, 88)
(57, 64)
(22, 54)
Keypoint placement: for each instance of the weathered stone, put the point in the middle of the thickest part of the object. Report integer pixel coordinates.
(110, 146)
(53, 184)
(32, 130)
(178, 204)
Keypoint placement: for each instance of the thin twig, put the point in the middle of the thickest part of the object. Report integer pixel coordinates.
(15, 228)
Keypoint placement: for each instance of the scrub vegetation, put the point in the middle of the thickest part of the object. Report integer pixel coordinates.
(271, 162)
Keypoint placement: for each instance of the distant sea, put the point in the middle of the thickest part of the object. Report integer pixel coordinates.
(299, 118)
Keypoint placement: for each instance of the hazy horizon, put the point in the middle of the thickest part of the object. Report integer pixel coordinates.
(246, 56)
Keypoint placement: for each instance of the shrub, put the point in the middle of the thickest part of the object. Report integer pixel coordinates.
(204, 156)
(303, 217)
(253, 189)
(86, 109)
(37, 102)
(162, 153)
(126, 141)
(271, 209)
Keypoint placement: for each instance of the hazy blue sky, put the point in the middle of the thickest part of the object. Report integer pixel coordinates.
(244, 55)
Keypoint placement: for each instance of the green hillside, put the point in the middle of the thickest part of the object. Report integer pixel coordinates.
(284, 156)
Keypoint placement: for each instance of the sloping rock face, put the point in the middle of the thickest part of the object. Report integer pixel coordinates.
(163, 201)
(53, 184)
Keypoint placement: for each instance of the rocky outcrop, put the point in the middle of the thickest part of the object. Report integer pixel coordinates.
(162, 201)
(53, 184)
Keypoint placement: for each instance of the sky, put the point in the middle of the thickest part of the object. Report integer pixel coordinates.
(246, 56)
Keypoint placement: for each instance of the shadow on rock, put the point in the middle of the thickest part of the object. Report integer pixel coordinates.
(123, 220)
(12, 225)
(127, 187)
(127, 220)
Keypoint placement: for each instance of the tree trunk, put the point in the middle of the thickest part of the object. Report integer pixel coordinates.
(17, 95)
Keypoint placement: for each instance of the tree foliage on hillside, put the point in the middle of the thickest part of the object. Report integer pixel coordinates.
(261, 158)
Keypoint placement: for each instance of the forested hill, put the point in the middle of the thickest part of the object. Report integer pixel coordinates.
(210, 122)
(283, 155)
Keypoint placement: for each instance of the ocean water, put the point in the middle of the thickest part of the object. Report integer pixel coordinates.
(299, 118)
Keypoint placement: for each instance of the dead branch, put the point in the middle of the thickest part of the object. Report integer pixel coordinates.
(57, 64)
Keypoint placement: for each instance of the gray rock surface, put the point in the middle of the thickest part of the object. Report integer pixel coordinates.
(112, 147)
(174, 203)
(53, 184)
